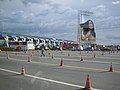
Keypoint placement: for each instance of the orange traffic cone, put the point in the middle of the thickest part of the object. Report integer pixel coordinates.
(23, 71)
(61, 62)
(88, 83)
(111, 68)
(29, 58)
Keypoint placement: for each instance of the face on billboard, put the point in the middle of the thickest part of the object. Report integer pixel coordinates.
(87, 33)
(90, 24)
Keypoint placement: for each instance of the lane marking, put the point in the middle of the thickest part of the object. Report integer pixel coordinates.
(46, 79)
(68, 59)
(108, 58)
(65, 66)
(90, 61)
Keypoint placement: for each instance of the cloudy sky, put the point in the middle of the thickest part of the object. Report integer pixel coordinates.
(58, 18)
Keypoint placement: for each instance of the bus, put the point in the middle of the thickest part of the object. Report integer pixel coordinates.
(22, 46)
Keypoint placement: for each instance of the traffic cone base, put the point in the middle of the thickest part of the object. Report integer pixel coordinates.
(88, 83)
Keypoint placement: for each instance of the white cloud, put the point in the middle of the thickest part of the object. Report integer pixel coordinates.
(81, 1)
(107, 30)
(105, 24)
(44, 15)
(116, 2)
(53, 18)
(100, 12)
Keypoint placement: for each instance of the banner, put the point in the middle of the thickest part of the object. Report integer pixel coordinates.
(87, 31)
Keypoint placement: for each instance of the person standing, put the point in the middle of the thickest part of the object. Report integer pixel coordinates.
(42, 52)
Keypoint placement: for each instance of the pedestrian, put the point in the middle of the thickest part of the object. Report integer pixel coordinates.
(42, 52)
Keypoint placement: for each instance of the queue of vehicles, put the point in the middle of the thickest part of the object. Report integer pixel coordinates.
(32, 42)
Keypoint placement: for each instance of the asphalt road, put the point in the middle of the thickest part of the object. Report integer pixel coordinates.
(45, 73)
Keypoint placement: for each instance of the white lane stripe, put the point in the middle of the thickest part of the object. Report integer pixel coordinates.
(92, 57)
(75, 67)
(69, 59)
(57, 64)
(45, 79)
(91, 61)
(9, 71)
(102, 62)
(84, 54)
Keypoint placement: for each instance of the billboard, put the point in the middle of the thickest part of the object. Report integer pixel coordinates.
(87, 31)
